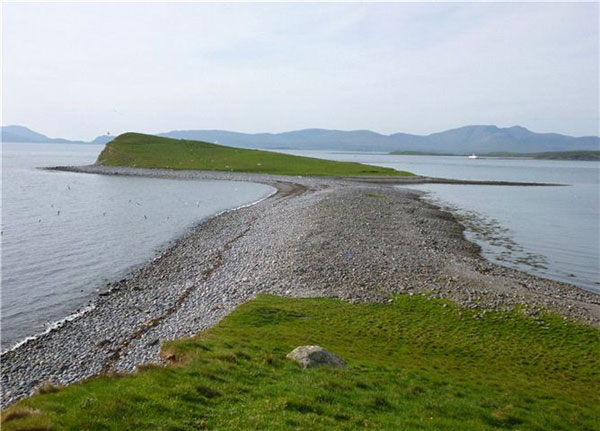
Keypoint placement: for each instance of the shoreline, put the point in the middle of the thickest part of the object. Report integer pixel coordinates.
(268, 178)
(309, 238)
(104, 289)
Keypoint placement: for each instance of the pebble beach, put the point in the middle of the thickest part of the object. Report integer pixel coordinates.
(349, 238)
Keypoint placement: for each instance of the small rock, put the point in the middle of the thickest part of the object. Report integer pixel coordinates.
(153, 342)
(315, 356)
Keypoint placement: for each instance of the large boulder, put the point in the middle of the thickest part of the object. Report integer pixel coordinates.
(315, 356)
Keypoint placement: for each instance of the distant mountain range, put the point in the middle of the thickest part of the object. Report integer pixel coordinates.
(468, 139)
(463, 140)
(24, 134)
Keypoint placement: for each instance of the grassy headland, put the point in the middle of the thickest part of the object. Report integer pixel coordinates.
(550, 155)
(413, 364)
(146, 151)
(561, 155)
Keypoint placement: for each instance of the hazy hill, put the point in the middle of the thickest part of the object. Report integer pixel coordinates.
(23, 134)
(463, 140)
(307, 139)
(483, 139)
(103, 139)
(468, 139)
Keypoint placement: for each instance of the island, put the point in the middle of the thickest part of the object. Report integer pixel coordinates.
(549, 155)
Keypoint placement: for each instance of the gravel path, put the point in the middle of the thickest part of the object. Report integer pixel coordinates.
(346, 238)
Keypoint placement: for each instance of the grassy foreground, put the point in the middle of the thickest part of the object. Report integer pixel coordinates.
(147, 151)
(413, 364)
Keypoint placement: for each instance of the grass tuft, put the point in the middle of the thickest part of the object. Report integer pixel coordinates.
(47, 388)
(18, 413)
(207, 392)
(303, 408)
(25, 419)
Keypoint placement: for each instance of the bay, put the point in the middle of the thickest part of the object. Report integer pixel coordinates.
(65, 235)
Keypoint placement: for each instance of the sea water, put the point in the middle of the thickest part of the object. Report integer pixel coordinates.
(65, 235)
(549, 231)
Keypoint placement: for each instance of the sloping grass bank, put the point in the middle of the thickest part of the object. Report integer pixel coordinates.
(413, 364)
(146, 151)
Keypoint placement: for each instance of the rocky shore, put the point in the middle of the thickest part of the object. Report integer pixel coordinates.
(356, 239)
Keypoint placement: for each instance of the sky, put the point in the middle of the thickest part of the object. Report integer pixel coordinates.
(81, 70)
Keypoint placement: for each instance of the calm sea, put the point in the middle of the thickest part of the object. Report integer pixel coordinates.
(65, 235)
(549, 231)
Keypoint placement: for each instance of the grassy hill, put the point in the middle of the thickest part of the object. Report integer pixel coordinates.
(147, 151)
(413, 364)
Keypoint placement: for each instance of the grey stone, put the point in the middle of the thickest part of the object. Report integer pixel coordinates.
(315, 356)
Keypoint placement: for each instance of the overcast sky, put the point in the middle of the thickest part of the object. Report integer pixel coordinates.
(80, 70)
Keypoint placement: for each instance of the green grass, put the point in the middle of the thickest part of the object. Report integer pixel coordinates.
(413, 364)
(147, 151)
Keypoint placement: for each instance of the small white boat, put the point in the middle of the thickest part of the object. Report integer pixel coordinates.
(472, 156)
